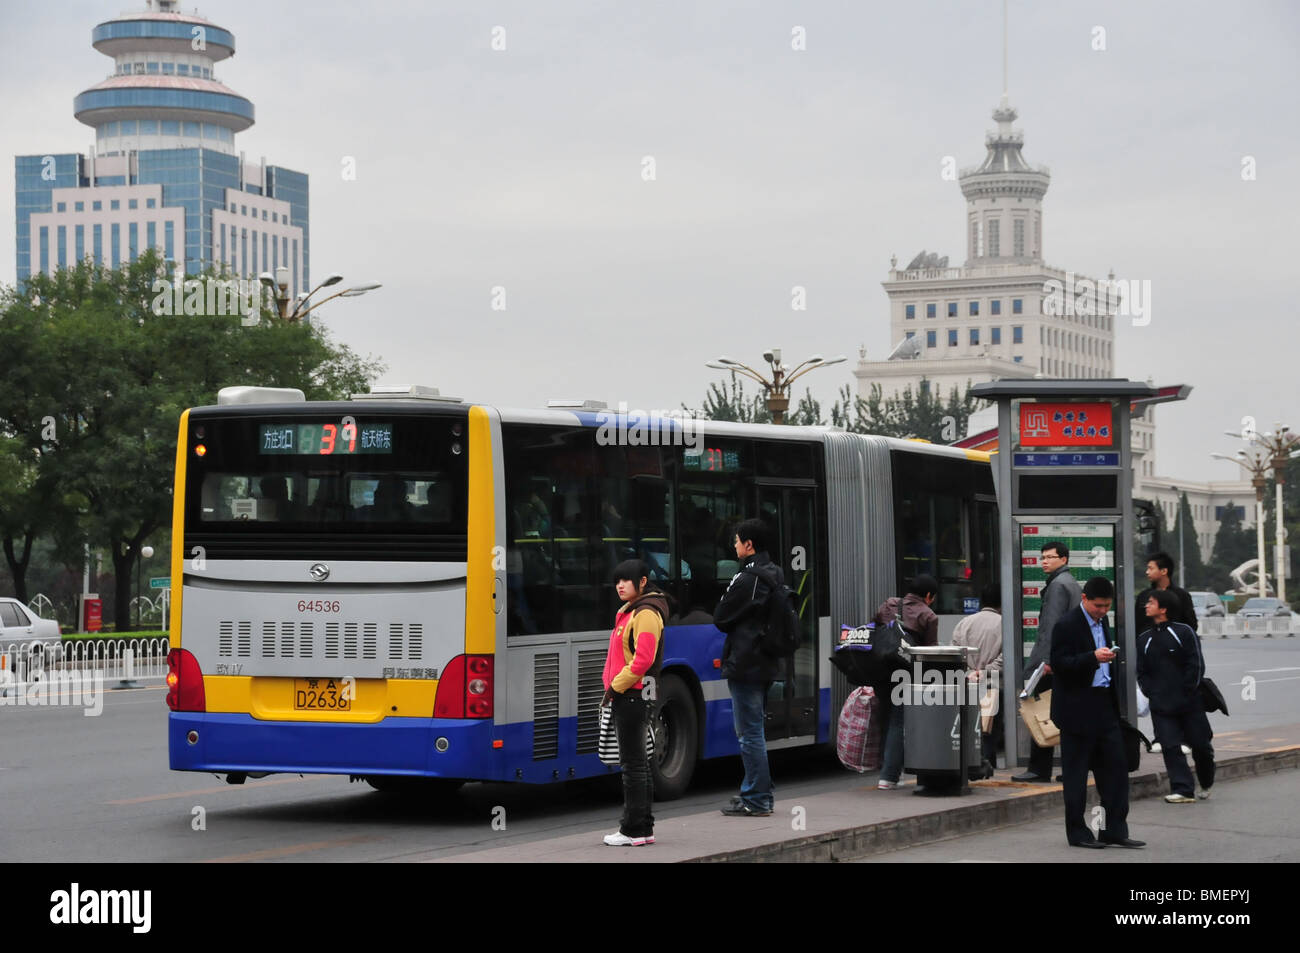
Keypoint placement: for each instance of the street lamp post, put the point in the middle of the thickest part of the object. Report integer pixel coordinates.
(146, 552)
(279, 286)
(777, 388)
(1279, 446)
(1178, 503)
(1256, 464)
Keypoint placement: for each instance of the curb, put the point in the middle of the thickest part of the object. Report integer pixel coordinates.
(852, 843)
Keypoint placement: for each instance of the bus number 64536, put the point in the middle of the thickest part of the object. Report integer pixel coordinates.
(318, 605)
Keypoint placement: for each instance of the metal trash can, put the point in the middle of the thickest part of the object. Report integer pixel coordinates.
(939, 699)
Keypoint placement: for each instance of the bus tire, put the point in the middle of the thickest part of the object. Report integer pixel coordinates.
(677, 739)
(414, 788)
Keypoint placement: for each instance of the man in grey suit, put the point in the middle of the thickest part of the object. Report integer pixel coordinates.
(1060, 594)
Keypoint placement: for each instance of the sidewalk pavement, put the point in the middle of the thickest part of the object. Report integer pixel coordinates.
(858, 821)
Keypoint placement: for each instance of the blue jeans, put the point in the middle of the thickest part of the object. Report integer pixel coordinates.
(748, 702)
(891, 765)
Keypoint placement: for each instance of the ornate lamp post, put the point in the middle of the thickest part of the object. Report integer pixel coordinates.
(1255, 463)
(279, 285)
(776, 389)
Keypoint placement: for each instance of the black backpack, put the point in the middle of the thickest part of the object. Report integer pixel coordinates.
(782, 633)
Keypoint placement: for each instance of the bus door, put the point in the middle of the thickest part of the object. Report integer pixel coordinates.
(791, 513)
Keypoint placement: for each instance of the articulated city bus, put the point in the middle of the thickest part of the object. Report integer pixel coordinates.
(416, 590)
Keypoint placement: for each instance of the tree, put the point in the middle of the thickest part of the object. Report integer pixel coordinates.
(1233, 545)
(100, 378)
(924, 414)
(1193, 564)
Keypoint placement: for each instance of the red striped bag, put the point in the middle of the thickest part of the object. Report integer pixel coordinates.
(857, 741)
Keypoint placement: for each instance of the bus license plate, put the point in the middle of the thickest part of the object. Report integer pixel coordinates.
(320, 694)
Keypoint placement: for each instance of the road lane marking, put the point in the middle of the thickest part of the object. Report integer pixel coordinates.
(225, 787)
(274, 852)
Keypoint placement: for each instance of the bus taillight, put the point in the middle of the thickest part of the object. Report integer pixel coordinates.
(184, 682)
(465, 688)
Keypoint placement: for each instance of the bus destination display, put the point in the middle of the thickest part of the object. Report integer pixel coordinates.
(325, 438)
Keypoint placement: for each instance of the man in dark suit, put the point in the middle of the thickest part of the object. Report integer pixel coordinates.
(1085, 706)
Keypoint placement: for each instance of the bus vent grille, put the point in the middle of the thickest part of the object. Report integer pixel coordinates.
(286, 640)
(591, 688)
(244, 640)
(225, 639)
(546, 706)
(350, 640)
(331, 640)
(396, 640)
(268, 640)
(306, 639)
(415, 651)
(370, 640)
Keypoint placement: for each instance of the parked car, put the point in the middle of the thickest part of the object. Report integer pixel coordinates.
(24, 637)
(1208, 605)
(1263, 608)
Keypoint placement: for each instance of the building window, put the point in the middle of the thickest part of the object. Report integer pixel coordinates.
(1018, 237)
(974, 335)
(952, 309)
(911, 334)
(114, 205)
(931, 310)
(910, 311)
(151, 67)
(264, 215)
(275, 217)
(60, 206)
(115, 243)
(78, 206)
(80, 239)
(1017, 305)
(150, 234)
(168, 238)
(995, 335)
(1019, 360)
(97, 239)
(243, 210)
(931, 339)
(995, 249)
(952, 337)
(1018, 334)
(132, 241)
(96, 206)
(995, 306)
(183, 69)
(132, 203)
(150, 203)
(975, 250)
(169, 69)
(974, 309)
(171, 127)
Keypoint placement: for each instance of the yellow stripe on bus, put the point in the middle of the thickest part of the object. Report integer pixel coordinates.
(178, 530)
(480, 620)
(271, 699)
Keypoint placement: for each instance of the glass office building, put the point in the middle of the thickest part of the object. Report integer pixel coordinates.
(164, 166)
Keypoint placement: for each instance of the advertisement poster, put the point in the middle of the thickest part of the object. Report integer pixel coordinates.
(1092, 553)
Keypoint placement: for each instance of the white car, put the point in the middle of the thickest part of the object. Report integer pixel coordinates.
(23, 636)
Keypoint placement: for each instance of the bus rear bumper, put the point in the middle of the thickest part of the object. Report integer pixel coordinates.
(229, 742)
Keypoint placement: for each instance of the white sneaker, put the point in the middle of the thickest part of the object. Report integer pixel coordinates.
(888, 785)
(1203, 794)
(1169, 799)
(620, 839)
(1186, 750)
(1156, 749)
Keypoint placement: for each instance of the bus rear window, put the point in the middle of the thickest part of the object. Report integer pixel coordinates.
(395, 476)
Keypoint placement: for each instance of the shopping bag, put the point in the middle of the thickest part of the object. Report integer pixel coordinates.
(1037, 713)
(857, 740)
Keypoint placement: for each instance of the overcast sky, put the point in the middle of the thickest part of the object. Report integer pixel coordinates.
(522, 168)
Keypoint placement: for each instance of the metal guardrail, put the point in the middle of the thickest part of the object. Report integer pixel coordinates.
(119, 663)
(1229, 627)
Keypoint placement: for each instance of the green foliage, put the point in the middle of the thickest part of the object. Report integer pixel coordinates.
(1233, 545)
(96, 380)
(1194, 571)
(924, 414)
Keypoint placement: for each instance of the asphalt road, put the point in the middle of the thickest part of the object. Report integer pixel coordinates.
(99, 789)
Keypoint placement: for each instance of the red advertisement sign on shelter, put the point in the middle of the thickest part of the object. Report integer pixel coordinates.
(1066, 425)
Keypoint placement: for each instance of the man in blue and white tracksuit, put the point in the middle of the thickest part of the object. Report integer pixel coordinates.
(1169, 671)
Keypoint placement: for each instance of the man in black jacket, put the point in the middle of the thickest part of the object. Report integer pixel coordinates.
(1169, 671)
(1085, 706)
(1160, 573)
(742, 614)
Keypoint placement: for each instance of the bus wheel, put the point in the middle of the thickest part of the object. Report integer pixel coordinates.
(677, 739)
(414, 788)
